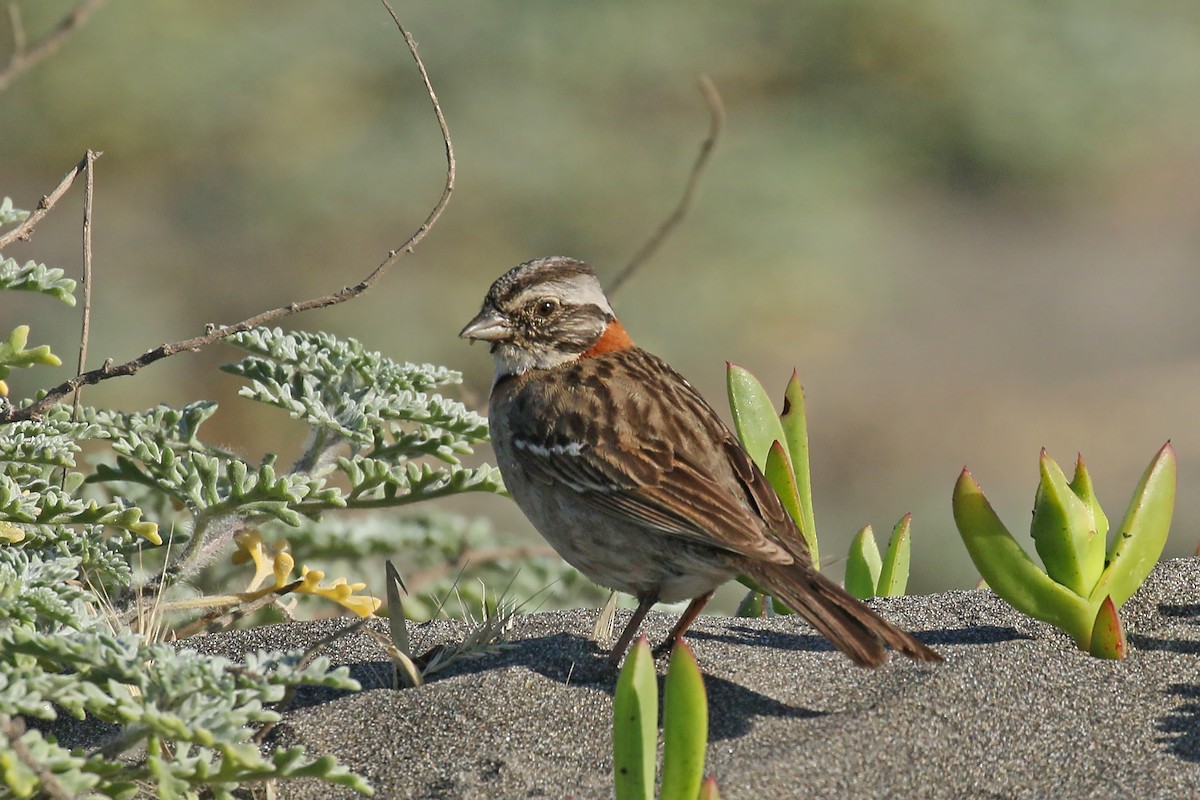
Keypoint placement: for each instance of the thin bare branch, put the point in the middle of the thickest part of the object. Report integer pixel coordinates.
(215, 332)
(716, 122)
(23, 59)
(23, 231)
(18, 28)
(86, 323)
(451, 168)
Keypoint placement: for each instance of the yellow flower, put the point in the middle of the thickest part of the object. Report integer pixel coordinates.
(277, 563)
(11, 533)
(339, 591)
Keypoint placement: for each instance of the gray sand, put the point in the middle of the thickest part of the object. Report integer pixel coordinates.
(1015, 712)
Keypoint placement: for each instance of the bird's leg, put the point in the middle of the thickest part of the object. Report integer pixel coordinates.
(645, 602)
(689, 616)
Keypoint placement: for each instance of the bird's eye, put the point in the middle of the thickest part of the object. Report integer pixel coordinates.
(547, 306)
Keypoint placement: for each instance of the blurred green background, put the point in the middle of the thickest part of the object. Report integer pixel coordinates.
(973, 228)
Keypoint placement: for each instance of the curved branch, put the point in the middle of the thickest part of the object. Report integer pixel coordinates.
(215, 332)
(716, 122)
(22, 59)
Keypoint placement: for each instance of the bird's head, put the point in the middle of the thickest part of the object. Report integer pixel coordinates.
(544, 313)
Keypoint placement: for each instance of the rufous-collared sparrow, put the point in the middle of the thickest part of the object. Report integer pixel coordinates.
(631, 476)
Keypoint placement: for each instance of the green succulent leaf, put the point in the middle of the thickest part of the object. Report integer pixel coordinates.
(779, 474)
(1064, 532)
(1009, 571)
(893, 577)
(795, 436)
(863, 565)
(1143, 532)
(635, 725)
(1108, 634)
(754, 416)
(708, 790)
(753, 605)
(685, 726)
(1081, 485)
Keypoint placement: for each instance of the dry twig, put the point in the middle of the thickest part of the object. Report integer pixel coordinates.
(22, 59)
(214, 332)
(22, 232)
(86, 322)
(716, 122)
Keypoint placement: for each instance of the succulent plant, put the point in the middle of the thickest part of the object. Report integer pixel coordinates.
(685, 727)
(1086, 576)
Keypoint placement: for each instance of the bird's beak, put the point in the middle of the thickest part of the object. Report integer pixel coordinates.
(488, 326)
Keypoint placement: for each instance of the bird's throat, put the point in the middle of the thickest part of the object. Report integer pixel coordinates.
(615, 337)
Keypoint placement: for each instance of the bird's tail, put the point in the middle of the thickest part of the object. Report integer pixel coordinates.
(848, 623)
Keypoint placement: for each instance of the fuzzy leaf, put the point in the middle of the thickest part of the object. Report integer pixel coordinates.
(9, 215)
(14, 354)
(34, 277)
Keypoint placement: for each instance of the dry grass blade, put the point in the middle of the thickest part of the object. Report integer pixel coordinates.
(397, 619)
(86, 282)
(398, 648)
(406, 674)
(483, 635)
(602, 631)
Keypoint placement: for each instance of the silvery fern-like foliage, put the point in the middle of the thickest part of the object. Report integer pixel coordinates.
(35, 448)
(9, 214)
(383, 414)
(34, 277)
(159, 449)
(58, 656)
(174, 702)
(73, 533)
(43, 502)
(384, 417)
(359, 396)
(36, 587)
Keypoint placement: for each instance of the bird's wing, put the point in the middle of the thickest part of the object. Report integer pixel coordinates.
(638, 442)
